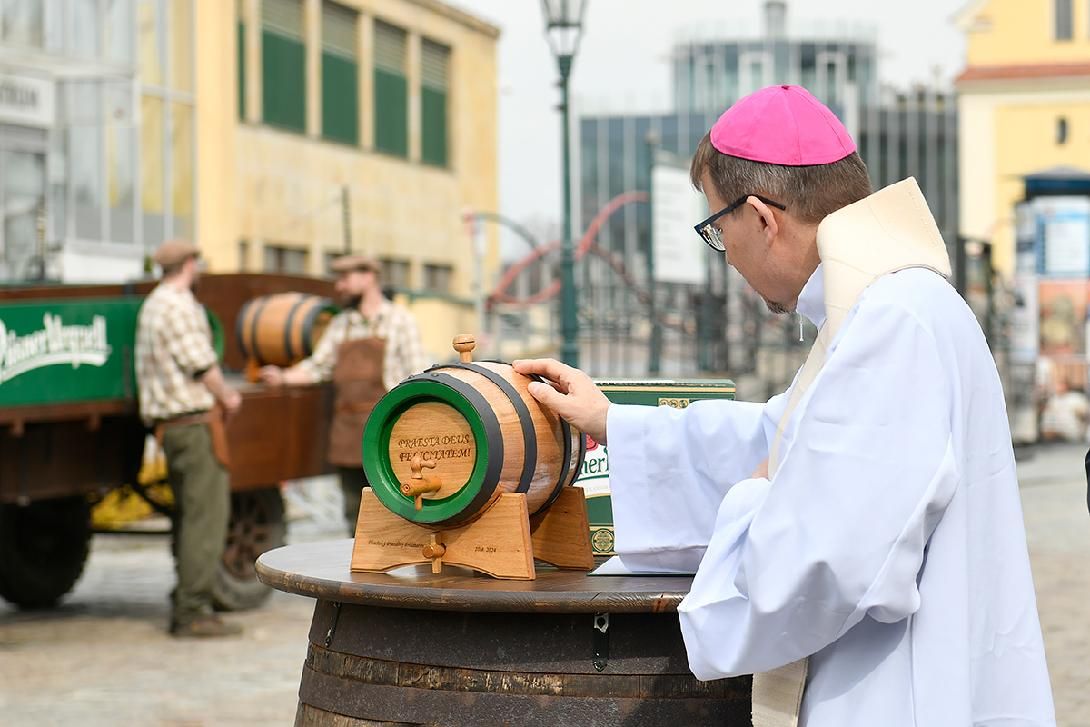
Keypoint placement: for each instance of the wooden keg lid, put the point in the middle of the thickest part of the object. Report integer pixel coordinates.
(437, 418)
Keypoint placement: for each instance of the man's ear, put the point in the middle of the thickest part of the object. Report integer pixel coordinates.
(768, 219)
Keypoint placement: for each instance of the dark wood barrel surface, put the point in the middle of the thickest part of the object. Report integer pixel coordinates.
(412, 648)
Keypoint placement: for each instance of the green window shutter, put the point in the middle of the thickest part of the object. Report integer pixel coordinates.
(434, 85)
(391, 89)
(340, 74)
(283, 64)
(433, 127)
(242, 70)
(340, 99)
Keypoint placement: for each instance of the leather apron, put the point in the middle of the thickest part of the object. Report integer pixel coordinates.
(357, 382)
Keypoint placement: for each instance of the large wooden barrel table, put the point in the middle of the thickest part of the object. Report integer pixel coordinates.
(459, 649)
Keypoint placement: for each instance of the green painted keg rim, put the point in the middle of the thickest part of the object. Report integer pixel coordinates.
(380, 474)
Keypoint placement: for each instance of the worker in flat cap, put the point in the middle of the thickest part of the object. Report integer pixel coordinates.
(857, 541)
(367, 349)
(180, 385)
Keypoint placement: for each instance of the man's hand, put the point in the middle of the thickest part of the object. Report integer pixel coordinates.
(272, 375)
(231, 401)
(570, 393)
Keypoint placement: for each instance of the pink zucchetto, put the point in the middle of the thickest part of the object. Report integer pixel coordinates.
(782, 125)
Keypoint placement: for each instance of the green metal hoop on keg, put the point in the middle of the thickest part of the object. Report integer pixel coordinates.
(444, 389)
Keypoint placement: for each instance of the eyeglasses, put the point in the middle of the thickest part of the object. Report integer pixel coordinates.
(711, 235)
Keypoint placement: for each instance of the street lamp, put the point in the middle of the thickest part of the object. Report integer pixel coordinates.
(563, 25)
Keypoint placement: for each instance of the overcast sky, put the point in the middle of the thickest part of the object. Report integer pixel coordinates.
(622, 65)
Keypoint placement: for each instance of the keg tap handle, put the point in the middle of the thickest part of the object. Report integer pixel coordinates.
(464, 345)
(416, 490)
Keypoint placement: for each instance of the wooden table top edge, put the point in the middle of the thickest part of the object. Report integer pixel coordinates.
(521, 597)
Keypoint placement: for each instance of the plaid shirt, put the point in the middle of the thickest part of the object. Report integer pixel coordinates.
(404, 349)
(173, 347)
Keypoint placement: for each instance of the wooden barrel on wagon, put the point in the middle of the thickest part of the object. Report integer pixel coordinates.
(477, 432)
(282, 329)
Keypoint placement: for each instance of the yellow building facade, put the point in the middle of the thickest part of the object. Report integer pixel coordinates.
(1024, 106)
(367, 126)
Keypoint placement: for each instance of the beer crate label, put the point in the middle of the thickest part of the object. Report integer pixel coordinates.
(594, 476)
(71, 350)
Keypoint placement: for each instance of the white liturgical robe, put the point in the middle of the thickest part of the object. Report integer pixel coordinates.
(889, 545)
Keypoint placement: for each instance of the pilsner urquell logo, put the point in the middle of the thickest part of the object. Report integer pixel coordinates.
(53, 344)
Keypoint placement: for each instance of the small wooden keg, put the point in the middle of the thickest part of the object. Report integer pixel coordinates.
(282, 329)
(442, 446)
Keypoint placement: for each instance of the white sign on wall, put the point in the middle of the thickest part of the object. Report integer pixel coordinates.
(1066, 236)
(680, 256)
(1023, 320)
(26, 100)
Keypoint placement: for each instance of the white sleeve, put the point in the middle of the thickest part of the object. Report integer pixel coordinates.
(669, 469)
(840, 532)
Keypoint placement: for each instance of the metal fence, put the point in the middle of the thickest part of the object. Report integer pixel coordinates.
(632, 327)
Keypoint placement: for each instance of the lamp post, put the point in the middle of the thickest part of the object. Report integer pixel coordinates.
(563, 26)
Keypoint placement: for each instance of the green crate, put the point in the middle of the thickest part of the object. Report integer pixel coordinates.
(594, 477)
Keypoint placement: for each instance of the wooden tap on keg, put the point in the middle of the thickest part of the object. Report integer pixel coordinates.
(498, 488)
(416, 490)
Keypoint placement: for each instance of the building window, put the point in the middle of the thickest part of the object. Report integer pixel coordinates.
(391, 90)
(437, 278)
(340, 74)
(1061, 130)
(22, 23)
(434, 85)
(283, 65)
(285, 260)
(1065, 26)
(395, 273)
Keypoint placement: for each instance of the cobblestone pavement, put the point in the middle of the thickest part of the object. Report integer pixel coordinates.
(104, 658)
(1058, 530)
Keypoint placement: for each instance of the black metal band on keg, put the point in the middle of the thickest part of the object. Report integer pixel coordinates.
(319, 307)
(529, 461)
(287, 326)
(239, 328)
(492, 435)
(565, 457)
(259, 305)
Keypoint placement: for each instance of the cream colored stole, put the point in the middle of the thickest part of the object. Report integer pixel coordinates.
(888, 231)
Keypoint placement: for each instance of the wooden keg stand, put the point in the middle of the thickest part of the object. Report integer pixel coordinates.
(502, 542)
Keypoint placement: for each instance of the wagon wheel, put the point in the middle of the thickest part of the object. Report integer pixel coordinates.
(257, 524)
(43, 547)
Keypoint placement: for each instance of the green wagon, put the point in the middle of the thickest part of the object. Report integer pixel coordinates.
(70, 433)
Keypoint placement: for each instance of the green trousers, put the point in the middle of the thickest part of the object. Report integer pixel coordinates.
(353, 480)
(202, 507)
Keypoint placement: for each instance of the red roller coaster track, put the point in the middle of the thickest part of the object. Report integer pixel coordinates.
(587, 244)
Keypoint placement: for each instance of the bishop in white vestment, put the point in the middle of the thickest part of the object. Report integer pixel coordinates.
(857, 541)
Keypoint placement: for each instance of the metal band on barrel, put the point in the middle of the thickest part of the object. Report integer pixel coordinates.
(319, 307)
(565, 434)
(259, 305)
(529, 462)
(240, 326)
(288, 348)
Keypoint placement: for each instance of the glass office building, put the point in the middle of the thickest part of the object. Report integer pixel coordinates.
(711, 326)
(96, 135)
